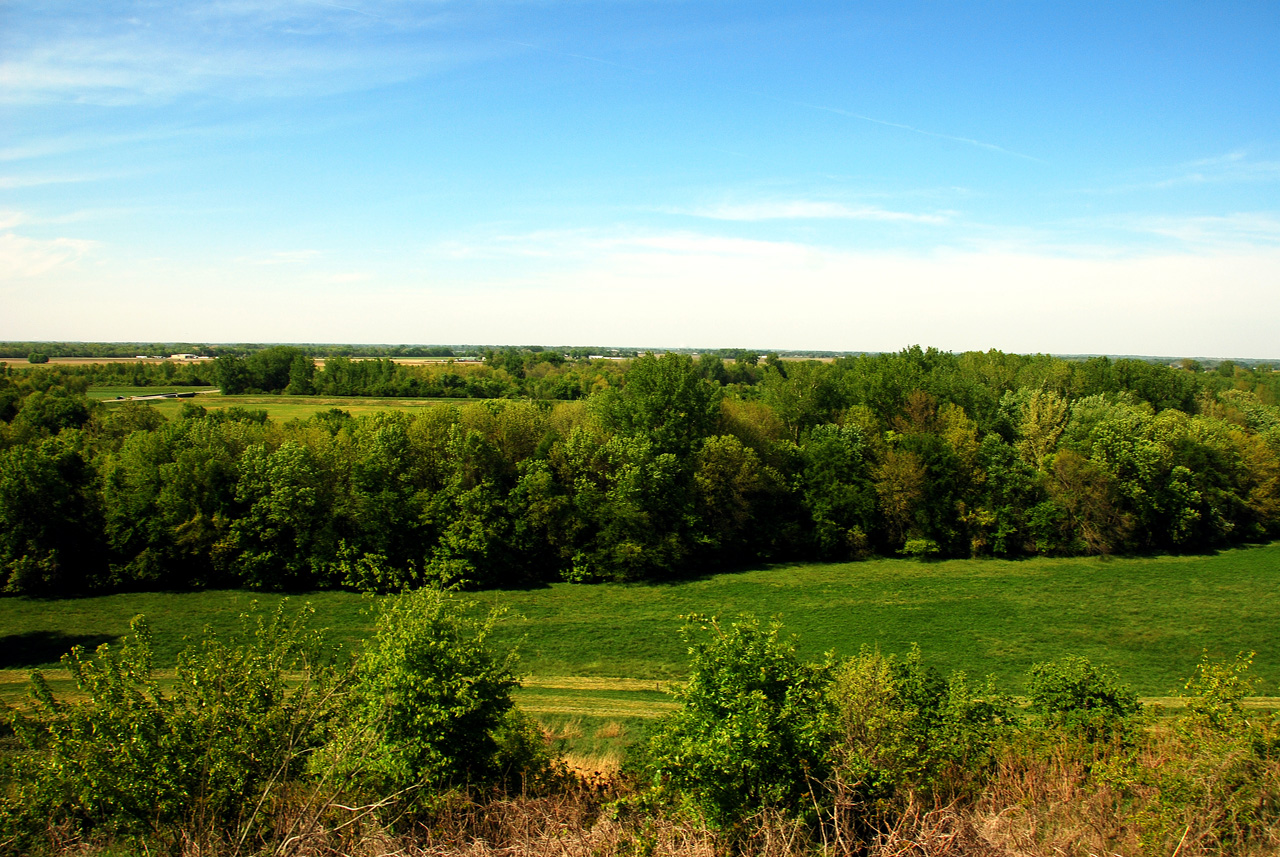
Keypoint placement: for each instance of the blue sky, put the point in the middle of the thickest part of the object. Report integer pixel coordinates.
(1072, 178)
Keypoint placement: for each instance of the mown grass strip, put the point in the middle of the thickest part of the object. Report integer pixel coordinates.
(570, 682)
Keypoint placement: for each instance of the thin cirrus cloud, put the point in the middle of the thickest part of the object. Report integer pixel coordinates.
(561, 247)
(1245, 171)
(1233, 167)
(89, 55)
(22, 257)
(813, 210)
(119, 75)
(1245, 229)
(14, 182)
(1236, 167)
(11, 219)
(968, 141)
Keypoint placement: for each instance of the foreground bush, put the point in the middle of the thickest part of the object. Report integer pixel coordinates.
(267, 735)
(753, 728)
(1088, 700)
(904, 729)
(1185, 785)
(432, 702)
(881, 754)
(206, 755)
(263, 744)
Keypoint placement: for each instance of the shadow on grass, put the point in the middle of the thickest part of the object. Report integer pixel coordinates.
(43, 648)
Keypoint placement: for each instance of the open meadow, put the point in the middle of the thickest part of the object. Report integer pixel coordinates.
(282, 408)
(600, 659)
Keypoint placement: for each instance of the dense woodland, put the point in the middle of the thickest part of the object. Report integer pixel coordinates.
(608, 470)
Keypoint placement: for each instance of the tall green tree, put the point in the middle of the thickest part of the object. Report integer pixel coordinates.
(50, 527)
(665, 401)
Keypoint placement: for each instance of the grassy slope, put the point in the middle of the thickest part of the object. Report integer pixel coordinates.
(1150, 618)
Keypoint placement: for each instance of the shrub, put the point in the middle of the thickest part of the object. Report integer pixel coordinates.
(199, 762)
(1215, 785)
(434, 696)
(1089, 700)
(902, 726)
(922, 549)
(37, 357)
(752, 730)
(1217, 691)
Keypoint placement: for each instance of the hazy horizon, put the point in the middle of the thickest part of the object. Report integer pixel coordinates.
(477, 349)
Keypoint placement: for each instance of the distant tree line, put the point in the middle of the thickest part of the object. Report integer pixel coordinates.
(654, 468)
(508, 374)
(11, 350)
(166, 373)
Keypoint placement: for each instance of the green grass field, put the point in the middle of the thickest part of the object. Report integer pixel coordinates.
(281, 408)
(600, 658)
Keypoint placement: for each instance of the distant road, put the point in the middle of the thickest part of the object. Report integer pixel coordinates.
(183, 395)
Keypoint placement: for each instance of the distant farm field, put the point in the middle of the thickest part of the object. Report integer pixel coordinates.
(277, 407)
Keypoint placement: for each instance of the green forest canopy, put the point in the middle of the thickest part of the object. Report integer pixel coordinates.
(587, 470)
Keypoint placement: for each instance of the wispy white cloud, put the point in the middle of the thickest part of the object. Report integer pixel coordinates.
(344, 278)
(968, 141)
(1246, 228)
(1232, 167)
(22, 257)
(161, 51)
(578, 245)
(812, 210)
(13, 182)
(1236, 157)
(38, 147)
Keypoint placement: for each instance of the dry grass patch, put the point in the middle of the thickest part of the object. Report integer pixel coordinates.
(612, 729)
(594, 765)
(566, 731)
(608, 708)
